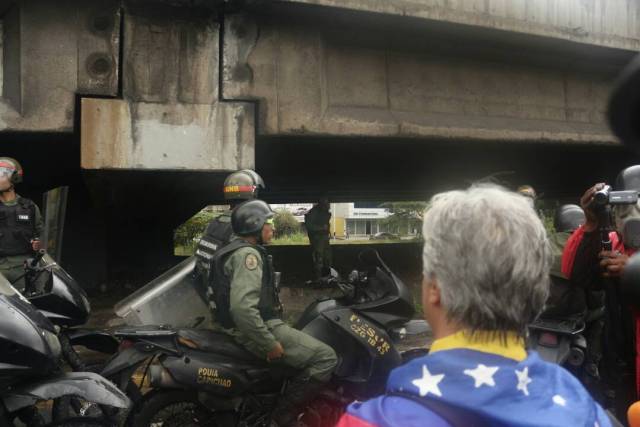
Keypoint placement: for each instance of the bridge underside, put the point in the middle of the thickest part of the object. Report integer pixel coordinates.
(143, 106)
(120, 223)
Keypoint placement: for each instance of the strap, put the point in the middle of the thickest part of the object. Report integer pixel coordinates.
(231, 247)
(456, 417)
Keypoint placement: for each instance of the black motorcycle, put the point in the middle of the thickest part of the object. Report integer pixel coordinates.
(203, 378)
(51, 290)
(564, 331)
(63, 301)
(29, 366)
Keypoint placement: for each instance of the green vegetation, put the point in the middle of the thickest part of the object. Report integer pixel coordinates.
(286, 224)
(298, 238)
(185, 237)
(405, 216)
(289, 231)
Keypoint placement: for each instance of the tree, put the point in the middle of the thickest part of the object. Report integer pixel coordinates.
(405, 216)
(190, 231)
(286, 224)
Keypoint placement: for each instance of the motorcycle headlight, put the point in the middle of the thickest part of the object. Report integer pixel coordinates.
(53, 342)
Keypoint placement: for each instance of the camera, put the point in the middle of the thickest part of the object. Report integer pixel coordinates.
(607, 196)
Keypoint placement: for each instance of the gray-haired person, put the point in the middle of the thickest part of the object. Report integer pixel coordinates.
(486, 267)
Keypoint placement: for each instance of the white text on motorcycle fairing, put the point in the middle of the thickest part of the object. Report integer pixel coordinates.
(367, 333)
(210, 376)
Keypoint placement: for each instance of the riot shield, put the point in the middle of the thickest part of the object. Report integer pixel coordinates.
(55, 208)
(171, 299)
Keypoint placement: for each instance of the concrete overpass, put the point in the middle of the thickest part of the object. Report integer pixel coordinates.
(143, 106)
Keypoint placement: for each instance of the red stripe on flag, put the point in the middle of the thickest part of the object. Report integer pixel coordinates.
(349, 420)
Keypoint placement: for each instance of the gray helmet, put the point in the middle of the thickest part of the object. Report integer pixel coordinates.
(628, 179)
(568, 218)
(242, 185)
(12, 168)
(248, 218)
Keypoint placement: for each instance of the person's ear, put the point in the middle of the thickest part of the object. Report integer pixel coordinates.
(430, 291)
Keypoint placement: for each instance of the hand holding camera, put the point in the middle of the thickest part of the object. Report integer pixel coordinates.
(586, 202)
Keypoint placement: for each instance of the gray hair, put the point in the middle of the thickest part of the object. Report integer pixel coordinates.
(490, 255)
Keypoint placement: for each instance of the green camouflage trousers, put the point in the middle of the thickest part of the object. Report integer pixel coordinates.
(301, 351)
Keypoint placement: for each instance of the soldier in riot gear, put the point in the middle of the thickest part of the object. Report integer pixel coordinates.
(240, 186)
(245, 304)
(20, 223)
(566, 220)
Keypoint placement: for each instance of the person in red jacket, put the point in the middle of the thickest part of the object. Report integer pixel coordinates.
(596, 270)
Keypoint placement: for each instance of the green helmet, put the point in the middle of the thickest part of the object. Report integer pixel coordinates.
(248, 218)
(242, 185)
(12, 168)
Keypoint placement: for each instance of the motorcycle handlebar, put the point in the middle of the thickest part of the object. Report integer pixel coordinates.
(36, 259)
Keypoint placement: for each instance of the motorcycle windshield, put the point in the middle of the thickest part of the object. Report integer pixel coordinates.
(65, 286)
(173, 298)
(16, 300)
(390, 300)
(6, 288)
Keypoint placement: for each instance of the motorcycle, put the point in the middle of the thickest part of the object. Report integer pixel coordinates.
(29, 367)
(202, 377)
(558, 334)
(564, 331)
(63, 301)
(51, 290)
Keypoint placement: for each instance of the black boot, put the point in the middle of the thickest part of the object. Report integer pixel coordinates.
(298, 394)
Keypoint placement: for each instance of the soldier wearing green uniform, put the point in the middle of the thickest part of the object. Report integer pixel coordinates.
(245, 302)
(566, 220)
(20, 224)
(316, 222)
(239, 187)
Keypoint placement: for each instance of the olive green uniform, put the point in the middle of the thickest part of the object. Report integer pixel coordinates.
(301, 351)
(12, 267)
(558, 241)
(317, 224)
(564, 298)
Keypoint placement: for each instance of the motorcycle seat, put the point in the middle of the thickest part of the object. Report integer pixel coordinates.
(214, 342)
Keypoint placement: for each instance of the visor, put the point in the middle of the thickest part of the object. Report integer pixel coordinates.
(270, 222)
(6, 172)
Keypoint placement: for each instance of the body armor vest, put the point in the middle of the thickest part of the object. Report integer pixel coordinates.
(17, 228)
(219, 288)
(217, 235)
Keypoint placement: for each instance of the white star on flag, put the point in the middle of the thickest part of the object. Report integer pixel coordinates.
(559, 400)
(428, 383)
(482, 375)
(523, 380)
